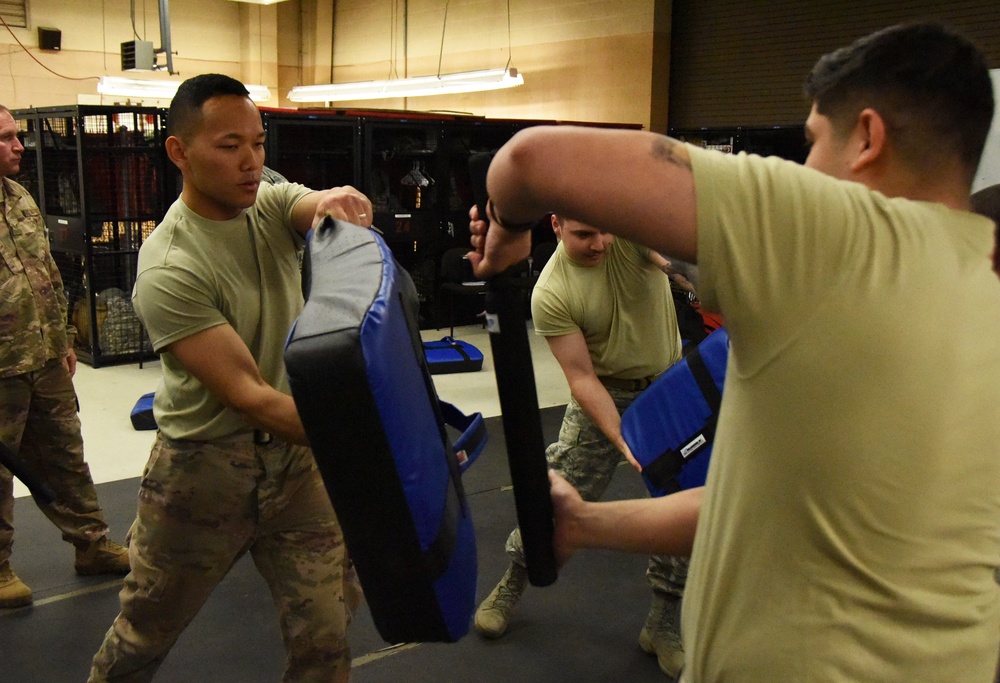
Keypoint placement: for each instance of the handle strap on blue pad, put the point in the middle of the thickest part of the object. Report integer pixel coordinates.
(470, 444)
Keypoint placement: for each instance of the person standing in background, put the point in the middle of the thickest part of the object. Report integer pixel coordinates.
(605, 309)
(38, 409)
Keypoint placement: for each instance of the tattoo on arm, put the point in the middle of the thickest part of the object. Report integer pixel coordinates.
(671, 151)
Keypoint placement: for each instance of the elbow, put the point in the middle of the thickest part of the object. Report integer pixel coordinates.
(511, 171)
(248, 403)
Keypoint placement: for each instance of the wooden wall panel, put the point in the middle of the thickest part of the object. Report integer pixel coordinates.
(585, 60)
(743, 62)
(578, 80)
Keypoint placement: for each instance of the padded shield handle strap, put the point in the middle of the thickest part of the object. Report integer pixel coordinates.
(522, 423)
(470, 444)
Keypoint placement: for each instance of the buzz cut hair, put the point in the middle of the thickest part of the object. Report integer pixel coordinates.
(184, 115)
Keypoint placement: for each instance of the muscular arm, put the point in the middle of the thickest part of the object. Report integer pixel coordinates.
(658, 526)
(570, 350)
(224, 365)
(634, 184)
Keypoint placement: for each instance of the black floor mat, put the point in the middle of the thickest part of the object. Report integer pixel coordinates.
(582, 628)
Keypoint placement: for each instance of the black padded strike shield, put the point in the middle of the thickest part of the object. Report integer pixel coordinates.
(362, 389)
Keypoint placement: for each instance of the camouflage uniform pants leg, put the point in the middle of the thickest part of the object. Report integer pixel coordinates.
(201, 507)
(588, 460)
(38, 421)
(581, 454)
(301, 554)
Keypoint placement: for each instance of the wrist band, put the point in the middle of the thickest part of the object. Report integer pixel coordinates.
(509, 227)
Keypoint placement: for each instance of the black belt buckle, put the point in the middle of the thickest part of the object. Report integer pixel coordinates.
(262, 438)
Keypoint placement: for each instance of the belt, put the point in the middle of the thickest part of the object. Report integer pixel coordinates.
(257, 436)
(627, 384)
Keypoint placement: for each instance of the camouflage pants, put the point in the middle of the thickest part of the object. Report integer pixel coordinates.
(201, 507)
(585, 457)
(38, 421)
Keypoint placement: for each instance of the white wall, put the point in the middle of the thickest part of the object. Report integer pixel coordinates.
(989, 167)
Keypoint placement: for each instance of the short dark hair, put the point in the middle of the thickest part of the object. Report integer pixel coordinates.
(185, 109)
(930, 84)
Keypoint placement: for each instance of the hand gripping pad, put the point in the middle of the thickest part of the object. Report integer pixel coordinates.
(670, 427)
(361, 386)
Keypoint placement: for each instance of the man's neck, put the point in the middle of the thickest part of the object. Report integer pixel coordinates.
(953, 195)
(948, 189)
(208, 209)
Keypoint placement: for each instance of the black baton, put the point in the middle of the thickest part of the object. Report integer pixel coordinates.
(522, 423)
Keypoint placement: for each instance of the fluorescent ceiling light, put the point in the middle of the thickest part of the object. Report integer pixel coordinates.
(260, 2)
(469, 81)
(165, 90)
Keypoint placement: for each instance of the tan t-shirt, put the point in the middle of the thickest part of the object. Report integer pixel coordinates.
(196, 273)
(622, 306)
(851, 525)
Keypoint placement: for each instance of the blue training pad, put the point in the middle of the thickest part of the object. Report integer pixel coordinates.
(670, 427)
(361, 385)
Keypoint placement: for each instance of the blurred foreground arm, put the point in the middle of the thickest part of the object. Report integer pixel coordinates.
(656, 526)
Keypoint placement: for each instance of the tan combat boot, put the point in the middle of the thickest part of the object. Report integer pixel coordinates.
(661, 636)
(103, 556)
(13, 591)
(494, 613)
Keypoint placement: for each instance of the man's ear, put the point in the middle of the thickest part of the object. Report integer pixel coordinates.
(176, 151)
(870, 141)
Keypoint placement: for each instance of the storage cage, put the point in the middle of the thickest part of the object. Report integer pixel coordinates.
(102, 186)
(316, 149)
(30, 174)
(787, 142)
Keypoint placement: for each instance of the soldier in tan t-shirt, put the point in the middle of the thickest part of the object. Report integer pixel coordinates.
(604, 307)
(848, 528)
(230, 473)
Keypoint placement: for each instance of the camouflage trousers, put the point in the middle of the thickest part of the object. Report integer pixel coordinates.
(588, 460)
(202, 506)
(38, 421)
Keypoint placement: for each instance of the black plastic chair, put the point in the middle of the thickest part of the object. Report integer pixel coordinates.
(458, 281)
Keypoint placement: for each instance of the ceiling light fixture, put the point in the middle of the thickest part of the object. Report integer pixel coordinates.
(419, 86)
(164, 90)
